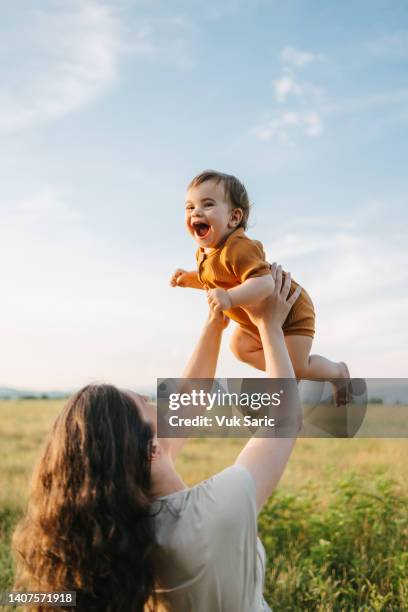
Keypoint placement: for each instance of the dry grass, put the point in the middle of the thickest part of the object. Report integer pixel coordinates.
(318, 529)
(24, 424)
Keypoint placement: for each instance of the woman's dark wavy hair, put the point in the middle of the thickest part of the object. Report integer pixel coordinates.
(88, 526)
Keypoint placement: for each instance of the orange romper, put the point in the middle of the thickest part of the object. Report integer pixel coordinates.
(239, 258)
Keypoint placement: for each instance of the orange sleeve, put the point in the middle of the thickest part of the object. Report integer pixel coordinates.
(245, 258)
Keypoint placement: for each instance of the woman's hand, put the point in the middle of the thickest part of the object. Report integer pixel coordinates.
(218, 318)
(275, 308)
(214, 299)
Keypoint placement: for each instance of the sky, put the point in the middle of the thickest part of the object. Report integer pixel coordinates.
(109, 108)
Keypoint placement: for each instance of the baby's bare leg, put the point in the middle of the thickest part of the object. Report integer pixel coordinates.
(247, 348)
(312, 367)
(316, 367)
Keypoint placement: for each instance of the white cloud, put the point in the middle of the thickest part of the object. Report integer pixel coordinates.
(301, 100)
(313, 123)
(285, 86)
(295, 57)
(317, 109)
(66, 57)
(310, 104)
(285, 126)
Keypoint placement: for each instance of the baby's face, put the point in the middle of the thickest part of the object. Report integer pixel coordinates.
(209, 216)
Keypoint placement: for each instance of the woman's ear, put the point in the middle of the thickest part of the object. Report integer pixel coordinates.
(236, 217)
(155, 450)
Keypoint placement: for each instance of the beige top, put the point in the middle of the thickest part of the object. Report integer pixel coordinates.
(209, 557)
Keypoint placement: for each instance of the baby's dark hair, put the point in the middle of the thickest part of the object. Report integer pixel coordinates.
(234, 190)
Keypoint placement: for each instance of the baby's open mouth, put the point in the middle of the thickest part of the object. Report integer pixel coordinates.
(201, 229)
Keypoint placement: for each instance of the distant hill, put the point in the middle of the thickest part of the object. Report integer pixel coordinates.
(389, 390)
(11, 393)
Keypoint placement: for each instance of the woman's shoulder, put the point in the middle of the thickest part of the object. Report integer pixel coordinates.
(234, 477)
(232, 489)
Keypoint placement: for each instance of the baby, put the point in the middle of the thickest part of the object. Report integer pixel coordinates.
(233, 270)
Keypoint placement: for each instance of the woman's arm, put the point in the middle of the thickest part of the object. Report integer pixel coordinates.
(266, 458)
(203, 361)
(202, 364)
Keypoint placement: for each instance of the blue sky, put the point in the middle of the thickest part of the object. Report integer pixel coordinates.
(107, 110)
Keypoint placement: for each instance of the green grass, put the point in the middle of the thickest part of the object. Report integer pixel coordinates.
(335, 532)
(9, 515)
(353, 555)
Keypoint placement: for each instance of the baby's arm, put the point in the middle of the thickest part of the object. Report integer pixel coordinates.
(185, 278)
(251, 291)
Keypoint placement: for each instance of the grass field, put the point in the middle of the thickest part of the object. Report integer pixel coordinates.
(335, 532)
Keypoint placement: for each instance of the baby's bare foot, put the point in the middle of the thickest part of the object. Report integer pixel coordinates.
(341, 386)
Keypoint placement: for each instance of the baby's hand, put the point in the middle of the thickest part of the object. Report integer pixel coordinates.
(219, 299)
(179, 278)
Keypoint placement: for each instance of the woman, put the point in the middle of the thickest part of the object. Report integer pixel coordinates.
(110, 517)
